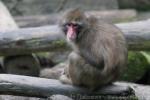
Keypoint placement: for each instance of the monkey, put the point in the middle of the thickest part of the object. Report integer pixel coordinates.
(99, 53)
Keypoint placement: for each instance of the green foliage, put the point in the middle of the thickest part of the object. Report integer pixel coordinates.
(140, 5)
(136, 67)
(147, 55)
(59, 43)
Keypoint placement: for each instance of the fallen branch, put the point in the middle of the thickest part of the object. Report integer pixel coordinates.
(50, 38)
(40, 87)
(30, 40)
(109, 16)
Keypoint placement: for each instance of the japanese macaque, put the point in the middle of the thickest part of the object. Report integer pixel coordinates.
(99, 50)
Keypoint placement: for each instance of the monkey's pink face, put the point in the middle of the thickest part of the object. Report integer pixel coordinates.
(72, 31)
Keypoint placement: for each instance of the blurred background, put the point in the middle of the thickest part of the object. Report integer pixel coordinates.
(33, 13)
(32, 7)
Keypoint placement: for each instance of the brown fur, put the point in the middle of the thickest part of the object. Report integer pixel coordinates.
(99, 54)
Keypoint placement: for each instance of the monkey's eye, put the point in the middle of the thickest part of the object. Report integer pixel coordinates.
(67, 24)
(75, 25)
(78, 26)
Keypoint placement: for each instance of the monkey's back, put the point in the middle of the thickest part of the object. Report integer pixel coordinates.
(112, 45)
(109, 51)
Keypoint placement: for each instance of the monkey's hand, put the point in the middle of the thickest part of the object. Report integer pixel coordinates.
(65, 80)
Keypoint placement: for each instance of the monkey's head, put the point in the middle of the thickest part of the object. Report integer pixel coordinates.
(73, 24)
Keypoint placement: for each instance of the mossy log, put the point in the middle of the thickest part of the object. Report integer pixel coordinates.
(50, 38)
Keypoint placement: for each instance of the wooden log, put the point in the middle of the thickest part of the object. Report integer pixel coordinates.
(40, 87)
(137, 35)
(22, 41)
(109, 16)
(50, 38)
(11, 97)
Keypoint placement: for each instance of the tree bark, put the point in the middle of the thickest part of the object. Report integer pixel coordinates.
(40, 87)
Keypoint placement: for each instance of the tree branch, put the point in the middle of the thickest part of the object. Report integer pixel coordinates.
(40, 87)
(50, 38)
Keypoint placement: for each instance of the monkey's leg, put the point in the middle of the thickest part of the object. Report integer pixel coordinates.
(76, 63)
(71, 75)
(65, 77)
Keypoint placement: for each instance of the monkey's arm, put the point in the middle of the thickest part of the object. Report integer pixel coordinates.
(93, 60)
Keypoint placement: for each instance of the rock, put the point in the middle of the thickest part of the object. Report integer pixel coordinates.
(6, 20)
